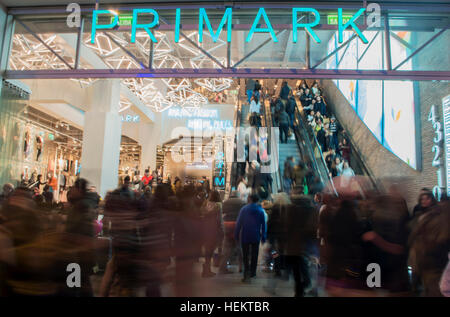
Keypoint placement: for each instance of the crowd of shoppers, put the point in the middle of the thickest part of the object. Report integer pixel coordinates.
(282, 109)
(331, 137)
(147, 233)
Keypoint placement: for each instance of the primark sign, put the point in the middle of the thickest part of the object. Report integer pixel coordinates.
(261, 22)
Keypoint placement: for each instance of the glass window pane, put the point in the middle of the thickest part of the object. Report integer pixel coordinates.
(399, 123)
(370, 105)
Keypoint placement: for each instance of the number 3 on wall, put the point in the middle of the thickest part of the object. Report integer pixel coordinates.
(437, 130)
(436, 125)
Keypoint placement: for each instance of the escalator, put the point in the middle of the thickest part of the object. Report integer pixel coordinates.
(303, 148)
(311, 153)
(241, 121)
(357, 164)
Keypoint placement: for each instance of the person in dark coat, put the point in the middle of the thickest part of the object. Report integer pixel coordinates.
(306, 98)
(285, 91)
(290, 109)
(321, 137)
(80, 224)
(283, 124)
(231, 208)
(320, 106)
(300, 225)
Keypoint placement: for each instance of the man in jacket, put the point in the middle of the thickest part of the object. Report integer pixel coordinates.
(285, 91)
(334, 129)
(249, 87)
(283, 124)
(306, 98)
(290, 109)
(250, 230)
(279, 108)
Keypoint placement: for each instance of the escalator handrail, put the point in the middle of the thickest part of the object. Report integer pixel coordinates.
(313, 138)
(268, 124)
(237, 121)
(354, 150)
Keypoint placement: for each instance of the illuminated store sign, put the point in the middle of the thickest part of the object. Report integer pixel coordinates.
(194, 113)
(446, 113)
(202, 124)
(344, 22)
(332, 19)
(219, 171)
(130, 118)
(200, 118)
(124, 20)
(197, 166)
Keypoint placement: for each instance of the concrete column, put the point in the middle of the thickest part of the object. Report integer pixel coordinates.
(6, 33)
(149, 139)
(148, 142)
(101, 136)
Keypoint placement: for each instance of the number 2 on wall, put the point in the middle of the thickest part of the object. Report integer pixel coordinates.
(437, 151)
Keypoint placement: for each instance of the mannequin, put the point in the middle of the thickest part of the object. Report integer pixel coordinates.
(26, 142)
(16, 138)
(39, 145)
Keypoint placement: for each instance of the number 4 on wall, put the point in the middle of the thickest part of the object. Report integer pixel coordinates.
(432, 114)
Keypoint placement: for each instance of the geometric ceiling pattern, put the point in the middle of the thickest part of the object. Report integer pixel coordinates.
(116, 52)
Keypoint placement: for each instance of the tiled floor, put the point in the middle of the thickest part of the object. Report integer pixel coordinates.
(226, 285)
(230, 285)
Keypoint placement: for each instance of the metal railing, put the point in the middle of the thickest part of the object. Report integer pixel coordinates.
(233, 171)
(268, 123)
(359, 166)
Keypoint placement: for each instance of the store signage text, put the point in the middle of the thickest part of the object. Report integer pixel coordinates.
(219, 175)
(437, 190)
(130, 118)
(202, 124)
(200, 118)
(178, 112)
(344, 22)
